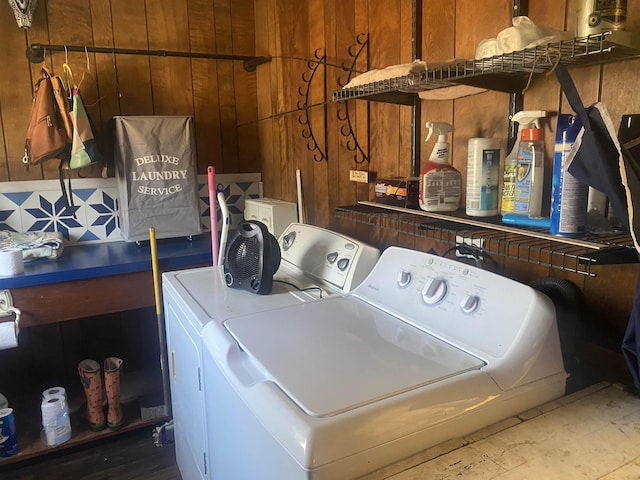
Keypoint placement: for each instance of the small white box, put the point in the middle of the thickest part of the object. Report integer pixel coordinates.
(277, 215)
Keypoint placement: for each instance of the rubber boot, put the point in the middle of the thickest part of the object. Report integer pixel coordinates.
(112, 368)
(89, 371)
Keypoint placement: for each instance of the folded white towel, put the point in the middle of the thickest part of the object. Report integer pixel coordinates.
(392, 71)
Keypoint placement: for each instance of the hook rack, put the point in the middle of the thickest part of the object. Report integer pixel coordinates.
(35, 54)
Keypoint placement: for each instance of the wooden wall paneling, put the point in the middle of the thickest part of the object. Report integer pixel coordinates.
(386, 40)
(267, 42)
(297, 44)
(204, 77)
(340, 34)
(361, 110)
(609, 298)
(385, 47)
(242, 31)
(320, 30)
(103, 72)
(133, 71)
(168, 29)
(406, 145)
(15, 99)
(226, 87)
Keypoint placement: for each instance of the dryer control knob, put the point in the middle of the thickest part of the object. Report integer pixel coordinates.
(332, 257)
(343, 263)
(470, 303)
(288, 239)
(434, 290)
(404, 278)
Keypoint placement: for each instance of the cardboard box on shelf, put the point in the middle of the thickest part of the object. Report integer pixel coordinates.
(397, 191)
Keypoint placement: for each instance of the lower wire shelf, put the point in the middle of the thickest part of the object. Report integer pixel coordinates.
(532, 245)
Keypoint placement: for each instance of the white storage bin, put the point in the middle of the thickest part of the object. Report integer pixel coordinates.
(277, 215)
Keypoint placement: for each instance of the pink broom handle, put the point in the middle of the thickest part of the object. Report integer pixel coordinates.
(211, 174)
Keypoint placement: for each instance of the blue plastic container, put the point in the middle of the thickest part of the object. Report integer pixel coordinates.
(568, 195)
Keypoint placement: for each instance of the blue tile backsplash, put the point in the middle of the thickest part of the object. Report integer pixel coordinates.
(40, 206)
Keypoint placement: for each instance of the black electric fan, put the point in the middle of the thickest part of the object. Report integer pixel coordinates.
(251, 258)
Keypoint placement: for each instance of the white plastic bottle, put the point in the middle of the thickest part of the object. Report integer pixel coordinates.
(440, 182)
(483, 177)
(529, 174)
(524, 119)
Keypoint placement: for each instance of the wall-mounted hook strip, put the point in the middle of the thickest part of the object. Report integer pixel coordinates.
(35, 54)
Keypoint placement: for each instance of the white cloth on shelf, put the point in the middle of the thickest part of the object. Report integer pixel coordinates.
(392, 71)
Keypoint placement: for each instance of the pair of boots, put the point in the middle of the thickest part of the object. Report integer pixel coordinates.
(89, 371)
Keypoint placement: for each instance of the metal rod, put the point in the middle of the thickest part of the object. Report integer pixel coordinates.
(36, 51)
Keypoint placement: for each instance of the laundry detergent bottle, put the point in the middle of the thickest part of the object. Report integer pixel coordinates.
(440, 182)
(529, 174)
(524, 119)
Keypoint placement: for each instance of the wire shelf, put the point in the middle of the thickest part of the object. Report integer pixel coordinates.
(532, 245)
(507, 72)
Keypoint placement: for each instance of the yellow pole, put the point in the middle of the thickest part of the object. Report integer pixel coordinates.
(154, 267)
(161, 331)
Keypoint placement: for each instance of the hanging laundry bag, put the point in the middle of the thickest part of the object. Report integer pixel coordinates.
(156, 176)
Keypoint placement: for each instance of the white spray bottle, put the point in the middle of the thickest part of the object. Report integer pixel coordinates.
(524, 119)
(440, 183)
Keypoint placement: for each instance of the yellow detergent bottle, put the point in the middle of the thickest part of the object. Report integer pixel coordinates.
(440, 182)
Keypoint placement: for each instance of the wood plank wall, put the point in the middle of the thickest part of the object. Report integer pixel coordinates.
(219, 94)
(291, 30)
(252, 121)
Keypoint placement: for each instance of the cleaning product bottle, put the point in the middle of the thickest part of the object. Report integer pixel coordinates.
(569, 196)
(483, 177)
(525, 118)
(440, 183)
(529, 174)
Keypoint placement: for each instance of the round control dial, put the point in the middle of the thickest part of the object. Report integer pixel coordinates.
(288, 240)
(404, 278)
(470, 303)
(434, 290)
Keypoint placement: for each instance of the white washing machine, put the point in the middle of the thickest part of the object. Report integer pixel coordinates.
(316, 264)
(423, 350)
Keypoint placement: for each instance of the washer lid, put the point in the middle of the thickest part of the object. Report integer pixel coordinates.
(342, 353)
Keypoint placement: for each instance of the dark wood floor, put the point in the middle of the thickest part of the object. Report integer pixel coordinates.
(128, 456)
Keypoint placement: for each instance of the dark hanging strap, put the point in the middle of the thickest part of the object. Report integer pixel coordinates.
(571, 92)
(66, 193)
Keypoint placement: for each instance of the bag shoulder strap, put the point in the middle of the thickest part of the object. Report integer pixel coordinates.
(571, 92)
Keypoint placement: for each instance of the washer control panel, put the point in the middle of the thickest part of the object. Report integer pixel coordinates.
(455, 301)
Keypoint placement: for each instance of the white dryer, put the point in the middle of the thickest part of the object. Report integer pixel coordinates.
(423, 350)
(316, 264)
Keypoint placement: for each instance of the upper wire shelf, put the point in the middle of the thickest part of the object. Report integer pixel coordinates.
(507, 72)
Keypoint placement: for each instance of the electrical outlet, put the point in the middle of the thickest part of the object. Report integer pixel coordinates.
(475, 249)
(360, 176)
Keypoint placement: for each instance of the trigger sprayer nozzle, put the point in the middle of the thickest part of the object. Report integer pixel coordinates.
(441, 127)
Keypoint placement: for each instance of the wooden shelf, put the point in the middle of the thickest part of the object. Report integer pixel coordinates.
(28, 422)
(533, 245)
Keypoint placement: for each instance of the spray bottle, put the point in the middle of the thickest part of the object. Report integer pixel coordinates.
(440, 183)
(524, 119)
